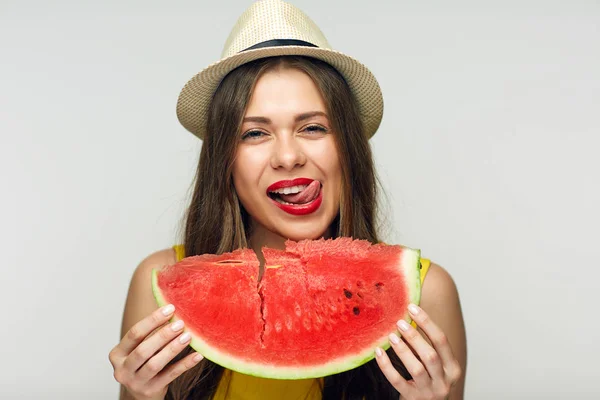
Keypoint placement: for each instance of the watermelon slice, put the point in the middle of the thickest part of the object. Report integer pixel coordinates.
(321, 307)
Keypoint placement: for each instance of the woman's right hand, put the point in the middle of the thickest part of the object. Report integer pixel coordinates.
(138, 361)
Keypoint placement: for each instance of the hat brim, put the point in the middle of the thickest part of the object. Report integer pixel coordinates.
(196, 95)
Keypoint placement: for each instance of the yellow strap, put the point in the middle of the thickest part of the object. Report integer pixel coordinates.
(179, 252)
(425, 263)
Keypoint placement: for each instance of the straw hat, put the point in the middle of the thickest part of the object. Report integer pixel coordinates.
(274, 28)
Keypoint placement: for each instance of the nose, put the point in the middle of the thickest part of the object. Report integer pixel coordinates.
(287, 153)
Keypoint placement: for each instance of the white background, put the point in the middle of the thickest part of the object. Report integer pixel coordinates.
(488, 152)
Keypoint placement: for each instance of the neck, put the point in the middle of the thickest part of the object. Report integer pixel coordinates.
(262, 237)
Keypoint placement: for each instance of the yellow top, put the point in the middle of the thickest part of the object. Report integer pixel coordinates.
(238, 386)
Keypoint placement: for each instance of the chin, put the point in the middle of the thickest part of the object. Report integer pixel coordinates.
(297, 232)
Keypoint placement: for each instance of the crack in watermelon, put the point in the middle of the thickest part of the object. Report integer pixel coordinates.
(262, 316)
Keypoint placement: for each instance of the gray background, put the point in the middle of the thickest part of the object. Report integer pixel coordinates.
(488, 152)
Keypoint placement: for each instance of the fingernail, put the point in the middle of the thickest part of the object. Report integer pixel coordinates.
(198, 357)
(168, 310)
(378, 352)
(177, 325)
(184, 338)
(414, 310)
(403, 325)
(394, 338)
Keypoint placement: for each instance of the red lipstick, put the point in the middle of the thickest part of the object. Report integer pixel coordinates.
(296, 209)
(289, 183)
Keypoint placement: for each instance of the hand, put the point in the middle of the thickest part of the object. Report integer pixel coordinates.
(139, 362)
(434, 370)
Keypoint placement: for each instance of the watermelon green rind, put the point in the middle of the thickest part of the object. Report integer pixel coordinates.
(411, 263)
(279, 372)
(413, 273)
(160, 300)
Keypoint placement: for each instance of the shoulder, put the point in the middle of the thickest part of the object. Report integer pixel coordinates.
(140, 300)
(157, 259)
(440, 298)
(438, 287)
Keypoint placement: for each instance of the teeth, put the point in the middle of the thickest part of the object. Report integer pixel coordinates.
(290, 190)
(284, 202)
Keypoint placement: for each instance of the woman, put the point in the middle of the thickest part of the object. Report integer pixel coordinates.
(279, 106)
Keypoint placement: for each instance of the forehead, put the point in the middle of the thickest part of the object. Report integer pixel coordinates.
(285, 90)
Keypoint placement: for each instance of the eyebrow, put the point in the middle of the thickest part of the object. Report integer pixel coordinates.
(299, 117)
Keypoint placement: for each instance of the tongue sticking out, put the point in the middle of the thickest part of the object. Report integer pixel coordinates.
(306, 196)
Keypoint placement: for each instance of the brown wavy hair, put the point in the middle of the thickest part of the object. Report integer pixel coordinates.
(216, 222)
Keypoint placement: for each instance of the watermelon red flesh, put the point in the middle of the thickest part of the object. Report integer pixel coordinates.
(321, 307)
(331, 300)
(210, 288)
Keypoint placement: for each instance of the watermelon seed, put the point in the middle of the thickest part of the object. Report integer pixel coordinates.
(306, 324)
(347, 293)
(359, 294)
(378, 286)
(356, 310)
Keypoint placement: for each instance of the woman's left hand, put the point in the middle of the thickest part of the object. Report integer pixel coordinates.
(434, 369)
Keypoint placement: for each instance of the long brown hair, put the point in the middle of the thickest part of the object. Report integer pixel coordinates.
(216, 222)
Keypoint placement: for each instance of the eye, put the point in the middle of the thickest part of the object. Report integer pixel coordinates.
(252, 135)
(315, 129)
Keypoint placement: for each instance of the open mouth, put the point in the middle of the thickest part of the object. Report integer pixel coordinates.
(297, 197)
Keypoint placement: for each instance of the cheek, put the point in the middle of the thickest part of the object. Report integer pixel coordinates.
(334, 169)
(240, 178)
(247, 170)
(325, 155)
(330, 163)
(334, 165)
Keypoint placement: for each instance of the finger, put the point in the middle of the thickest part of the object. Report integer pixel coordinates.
(434, 333)
(170, 373)
(427, 354)
(149, 347)
(391, 374)
(157, 363)
(143, 328)
(410, 361)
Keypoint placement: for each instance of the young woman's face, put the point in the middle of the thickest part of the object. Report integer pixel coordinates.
(287, 172)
